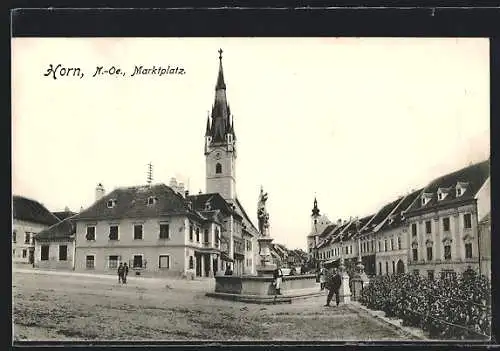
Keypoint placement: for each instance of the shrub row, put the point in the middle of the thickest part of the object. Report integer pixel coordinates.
(451, 308)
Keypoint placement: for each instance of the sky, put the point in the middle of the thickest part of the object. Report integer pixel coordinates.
(354, 122)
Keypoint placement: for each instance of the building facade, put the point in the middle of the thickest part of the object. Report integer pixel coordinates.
(29, 218)
(55, 246)
(152, 228)
(443, 222)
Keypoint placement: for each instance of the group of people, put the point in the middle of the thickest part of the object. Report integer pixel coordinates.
(122, 273)
(452, 307)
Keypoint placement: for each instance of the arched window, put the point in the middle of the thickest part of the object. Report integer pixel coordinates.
(218, 168)
(191, 263)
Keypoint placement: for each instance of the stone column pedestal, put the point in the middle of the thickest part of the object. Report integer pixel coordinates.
(266, 268)
(345, 290)
(359, 282)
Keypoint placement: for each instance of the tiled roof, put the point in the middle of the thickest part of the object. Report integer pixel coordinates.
(63, 214)
(397, 218)
(472, 177)
(380, 216)
(31, 211)
(63, 230)
(132, 202)
(215, 200)
(354, 228)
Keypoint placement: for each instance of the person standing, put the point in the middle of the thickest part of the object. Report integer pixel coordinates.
(322, 277)
(125, 273)
(278, 277)
(333, 285)
(120, 273)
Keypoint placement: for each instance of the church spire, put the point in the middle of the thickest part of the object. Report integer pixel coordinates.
(220, 78)
(315, 210)
(207, 131)
(220, 126)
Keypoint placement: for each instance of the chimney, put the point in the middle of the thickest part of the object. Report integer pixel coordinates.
(180, 188)
(99, 192)
(186, 193)
(339, 222)
(66, 209)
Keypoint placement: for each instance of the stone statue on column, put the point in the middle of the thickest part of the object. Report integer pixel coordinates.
(266, 267)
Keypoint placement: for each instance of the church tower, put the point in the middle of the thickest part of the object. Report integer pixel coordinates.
(220, 144)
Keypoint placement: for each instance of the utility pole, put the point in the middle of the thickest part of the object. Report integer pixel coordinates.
(150, 173)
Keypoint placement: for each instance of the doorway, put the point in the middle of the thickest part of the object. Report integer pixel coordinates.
(400, 267)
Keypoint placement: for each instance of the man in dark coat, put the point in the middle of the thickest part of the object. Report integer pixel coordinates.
(333, 283)
(125, 273)
(120, 273)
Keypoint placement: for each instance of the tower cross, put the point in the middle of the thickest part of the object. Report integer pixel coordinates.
(220, 54)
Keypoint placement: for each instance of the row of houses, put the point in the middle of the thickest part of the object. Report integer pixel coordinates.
(442, 228)
(153, 228)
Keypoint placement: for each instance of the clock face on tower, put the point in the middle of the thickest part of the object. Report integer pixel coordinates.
(217, 156)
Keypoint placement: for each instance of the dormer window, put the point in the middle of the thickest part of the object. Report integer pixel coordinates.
(460, 188)
(426, 197)
(208, 207)
(151, 200)
(111, 203)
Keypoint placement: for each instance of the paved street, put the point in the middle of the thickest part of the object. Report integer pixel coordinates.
(56, 306)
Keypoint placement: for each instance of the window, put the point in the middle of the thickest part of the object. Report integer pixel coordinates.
(13, 252)
(164, 231)
(63, 252)
(399, 243)
(429, 254)
(467, 221)
(90, 262)
(430, 275)
(447, 252)
(205, 236)
(387, 268)
(113, 261)
(27, 238)
(164, 261)
(249, 245)
(446, 224)
(137, 261)
(90, 233)
(373, 249)
(428, 228)
(198, 234)
(190, 232)
(393, 267)
(111, 203)
(379, 246)
(392, 244)
(468, 250)
(385, 245)
(113, 232)
(44, 253)
(218, 168)
(137, 231)
(380, 268)
(25, 252)
(151, 200)
(440, 196)
(14, 236)
(191, 262)
(415, 254)
(459, 192)
(414, 229)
